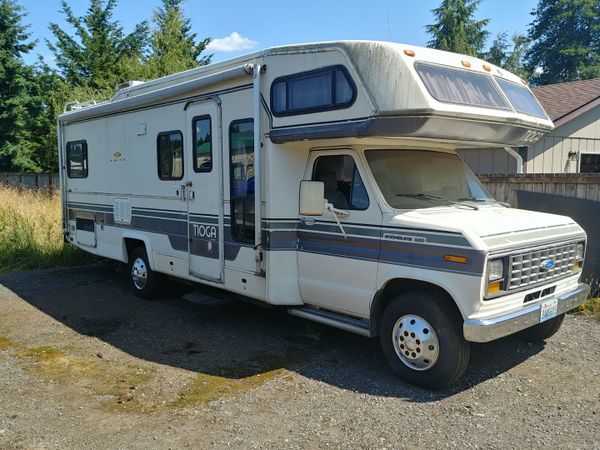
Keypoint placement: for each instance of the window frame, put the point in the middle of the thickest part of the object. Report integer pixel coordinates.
(232, 200)
(309, 74)
(508, 105)
(164, 133)
(355, 171)
(85, 161)
(194, 140)
(498, 79)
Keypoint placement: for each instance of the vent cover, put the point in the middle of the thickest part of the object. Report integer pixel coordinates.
(122, 211)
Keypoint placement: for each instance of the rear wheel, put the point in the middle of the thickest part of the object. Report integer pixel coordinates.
(542, 331)
(144, 281)
(421, 337)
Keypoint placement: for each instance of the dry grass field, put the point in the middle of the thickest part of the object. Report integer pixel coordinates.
(31, 234)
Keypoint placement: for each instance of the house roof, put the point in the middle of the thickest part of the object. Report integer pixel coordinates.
(565, 101)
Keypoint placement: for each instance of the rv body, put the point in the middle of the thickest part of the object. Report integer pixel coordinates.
(324, 177)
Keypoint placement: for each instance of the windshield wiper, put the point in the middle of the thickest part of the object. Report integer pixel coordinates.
(482, 200)
(423, 196)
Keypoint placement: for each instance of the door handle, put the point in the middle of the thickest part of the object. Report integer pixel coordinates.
(181, 193)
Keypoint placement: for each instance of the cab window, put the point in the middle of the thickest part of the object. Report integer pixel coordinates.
(344, 187)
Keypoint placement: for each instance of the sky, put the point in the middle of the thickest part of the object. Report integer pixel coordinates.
(239, 27)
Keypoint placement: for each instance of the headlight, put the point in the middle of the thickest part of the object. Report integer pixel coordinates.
(579, 252)
(495, 270)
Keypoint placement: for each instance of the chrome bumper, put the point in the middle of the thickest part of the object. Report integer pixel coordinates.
(485, 330)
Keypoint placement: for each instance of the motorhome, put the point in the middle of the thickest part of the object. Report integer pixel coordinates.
(324, 178)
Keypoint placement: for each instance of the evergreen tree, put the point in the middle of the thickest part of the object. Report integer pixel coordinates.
(173, 45)
(17, 101)
(456, 30)
(101, 55)
(501, 54)
(565, 37)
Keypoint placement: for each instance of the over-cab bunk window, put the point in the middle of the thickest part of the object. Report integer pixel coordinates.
(241, 167)
(314, 91)
(521, 98)
(77, 159)
(449, 85)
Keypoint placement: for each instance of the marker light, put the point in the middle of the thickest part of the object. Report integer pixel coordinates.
(456, 259)
(493, 288)
(524, 82)
(409, 52)
(487, 68)
(466, 63)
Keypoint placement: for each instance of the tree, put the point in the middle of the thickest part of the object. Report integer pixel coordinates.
(456, 30)
(173, 45)
(101, 55)
(511, 59)
(17, 97)
(565, 37)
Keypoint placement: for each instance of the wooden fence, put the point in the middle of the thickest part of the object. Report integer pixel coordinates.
(42, 181)
(505, 187)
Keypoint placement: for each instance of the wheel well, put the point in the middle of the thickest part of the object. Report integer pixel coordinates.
(399, 286)
(131, 244)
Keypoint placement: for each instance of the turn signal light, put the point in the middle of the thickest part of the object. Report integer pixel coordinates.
(577, 265)
(466, 63)
(493, 288)
(409, 52)
(456, 259)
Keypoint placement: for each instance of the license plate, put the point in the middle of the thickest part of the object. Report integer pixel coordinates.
(548, 310)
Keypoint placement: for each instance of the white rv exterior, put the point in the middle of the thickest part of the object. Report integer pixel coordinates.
(324, 177)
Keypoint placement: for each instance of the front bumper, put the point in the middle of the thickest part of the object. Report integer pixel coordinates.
(485, 330)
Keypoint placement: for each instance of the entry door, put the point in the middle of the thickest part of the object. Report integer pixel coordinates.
(336, 272)
(204, 191)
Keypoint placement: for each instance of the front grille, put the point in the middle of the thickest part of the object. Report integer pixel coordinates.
(526, 267)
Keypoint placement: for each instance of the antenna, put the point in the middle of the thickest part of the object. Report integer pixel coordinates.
(387, 13)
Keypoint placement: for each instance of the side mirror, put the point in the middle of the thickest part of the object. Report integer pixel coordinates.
(312, 198)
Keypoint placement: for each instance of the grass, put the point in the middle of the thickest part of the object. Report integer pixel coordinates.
(31, 232)
(102, 377)
(591, 308)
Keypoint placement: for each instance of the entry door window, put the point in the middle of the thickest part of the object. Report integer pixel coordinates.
(344, 187)
(202, 144)
(241, 166)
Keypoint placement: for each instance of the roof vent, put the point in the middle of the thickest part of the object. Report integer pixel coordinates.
(76, 106)
(128, 84)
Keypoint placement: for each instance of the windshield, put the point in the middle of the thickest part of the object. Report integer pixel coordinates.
(410, 179)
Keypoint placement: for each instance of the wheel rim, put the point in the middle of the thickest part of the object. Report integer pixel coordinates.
(416, 342)
(139, 273)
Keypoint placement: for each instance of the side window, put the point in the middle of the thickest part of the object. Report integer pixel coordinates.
(241, 167)
(202, 138)
(77, 159)
(170, 155)
(344, 187)
(316, 90)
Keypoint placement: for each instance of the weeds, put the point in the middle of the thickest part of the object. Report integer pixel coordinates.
(591, 308)
(31, 232)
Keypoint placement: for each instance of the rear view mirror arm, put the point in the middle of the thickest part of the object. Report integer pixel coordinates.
(337, 213)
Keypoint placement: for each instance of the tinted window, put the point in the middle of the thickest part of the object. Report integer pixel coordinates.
(344, 187)
(317, 90)
(521, 98)
(241, 166)
(170, 155)
(459, 86)
(590, 163)
(77, 159)
(202, 144)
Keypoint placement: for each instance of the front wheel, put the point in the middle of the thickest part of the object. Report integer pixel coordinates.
(422, 340)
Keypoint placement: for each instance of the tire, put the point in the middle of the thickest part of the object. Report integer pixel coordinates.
(144, 281)
(542, 331)
(437, 355)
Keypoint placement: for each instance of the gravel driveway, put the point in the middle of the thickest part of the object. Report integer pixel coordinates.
(84, 364)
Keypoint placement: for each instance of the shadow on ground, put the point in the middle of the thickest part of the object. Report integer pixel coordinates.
(233, 339)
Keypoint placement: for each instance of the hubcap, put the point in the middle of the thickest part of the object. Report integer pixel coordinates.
(139, 273)
(415, 342)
